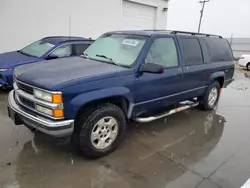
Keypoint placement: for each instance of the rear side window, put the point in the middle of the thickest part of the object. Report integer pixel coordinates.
(219, 49)
(80, 48)
(192, 51)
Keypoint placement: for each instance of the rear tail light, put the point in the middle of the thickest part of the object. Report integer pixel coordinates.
(242, 57)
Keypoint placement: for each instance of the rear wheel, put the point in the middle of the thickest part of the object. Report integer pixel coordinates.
(99, 130)
(211, 97)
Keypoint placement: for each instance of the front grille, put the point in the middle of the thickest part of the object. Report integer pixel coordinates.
(27, 102)
(24, 87)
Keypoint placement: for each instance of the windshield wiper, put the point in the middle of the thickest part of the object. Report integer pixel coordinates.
(85, 55)
(110, 59)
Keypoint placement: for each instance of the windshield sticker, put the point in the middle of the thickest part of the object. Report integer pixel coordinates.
(50, 45)
(130, 42)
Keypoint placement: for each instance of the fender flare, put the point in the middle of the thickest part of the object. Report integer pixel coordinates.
(215, 75)
(79, 101)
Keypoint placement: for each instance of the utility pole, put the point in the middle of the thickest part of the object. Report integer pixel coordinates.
(231, 39)
(202, 10)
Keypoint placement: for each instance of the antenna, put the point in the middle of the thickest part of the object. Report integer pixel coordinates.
(202, 10)
(231, 39)
(69, 26)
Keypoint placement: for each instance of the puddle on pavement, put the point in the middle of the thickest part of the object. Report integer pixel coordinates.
(141, 161)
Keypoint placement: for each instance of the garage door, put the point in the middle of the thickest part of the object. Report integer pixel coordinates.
(138, 16)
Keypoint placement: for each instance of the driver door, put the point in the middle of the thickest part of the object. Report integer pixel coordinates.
(154, 91)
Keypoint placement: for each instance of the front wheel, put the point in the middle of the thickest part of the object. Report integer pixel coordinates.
(99, 130)
(211, 97)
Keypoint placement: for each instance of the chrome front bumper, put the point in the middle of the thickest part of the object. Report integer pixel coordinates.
(54, 128)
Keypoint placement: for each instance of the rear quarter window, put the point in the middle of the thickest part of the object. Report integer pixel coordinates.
(191, 50)
(219, 49)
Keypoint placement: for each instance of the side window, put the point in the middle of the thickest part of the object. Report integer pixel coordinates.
(163, 52)
(80, 48)
(63, 51)
(219, 49)
(191, 51)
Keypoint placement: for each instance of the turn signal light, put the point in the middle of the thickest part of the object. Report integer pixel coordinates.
(57, 98)
(58, 113)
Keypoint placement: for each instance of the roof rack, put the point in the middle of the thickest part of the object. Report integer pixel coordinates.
(193, 33)
(157, 30)
(185, 32)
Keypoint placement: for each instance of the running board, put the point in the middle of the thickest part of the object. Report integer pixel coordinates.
(165, 114)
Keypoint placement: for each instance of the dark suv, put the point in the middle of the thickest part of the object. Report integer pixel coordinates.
(122, 76)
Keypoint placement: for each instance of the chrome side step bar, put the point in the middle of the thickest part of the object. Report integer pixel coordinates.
(165, 114)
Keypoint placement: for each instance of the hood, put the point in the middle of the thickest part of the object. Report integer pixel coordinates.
(47, 74)
(12, 59)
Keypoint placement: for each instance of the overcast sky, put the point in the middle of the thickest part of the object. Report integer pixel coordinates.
(222, 17)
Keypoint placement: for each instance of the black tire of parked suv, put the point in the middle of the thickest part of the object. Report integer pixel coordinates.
(81, 137)
(204, 100)
(248, 66)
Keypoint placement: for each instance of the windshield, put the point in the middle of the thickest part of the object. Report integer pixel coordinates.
(37, 49)
(119, 49)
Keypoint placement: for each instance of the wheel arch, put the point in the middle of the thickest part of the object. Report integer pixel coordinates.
(219, 77)
(121, 97)
(119, 101)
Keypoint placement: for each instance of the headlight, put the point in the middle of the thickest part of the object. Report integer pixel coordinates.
(57, 113)
(42, 95)
(49, 97)
(44, 110)
(5, 70)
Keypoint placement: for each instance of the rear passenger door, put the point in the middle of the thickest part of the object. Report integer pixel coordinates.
(194, 68)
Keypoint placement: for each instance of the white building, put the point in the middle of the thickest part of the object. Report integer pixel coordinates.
(24, 21)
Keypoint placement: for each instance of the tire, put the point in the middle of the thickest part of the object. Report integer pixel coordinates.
(208, 103)
(95, 135)
(248, 66)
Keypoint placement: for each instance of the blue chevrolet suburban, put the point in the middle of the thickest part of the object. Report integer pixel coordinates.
(44, 49)
(122, 76)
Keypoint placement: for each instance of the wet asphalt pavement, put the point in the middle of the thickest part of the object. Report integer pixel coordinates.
(187, 150)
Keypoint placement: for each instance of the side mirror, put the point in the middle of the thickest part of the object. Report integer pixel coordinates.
(51, 56)
(152, 68)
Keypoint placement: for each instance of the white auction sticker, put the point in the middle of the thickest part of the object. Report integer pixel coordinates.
(130, 42)
(50, 45)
